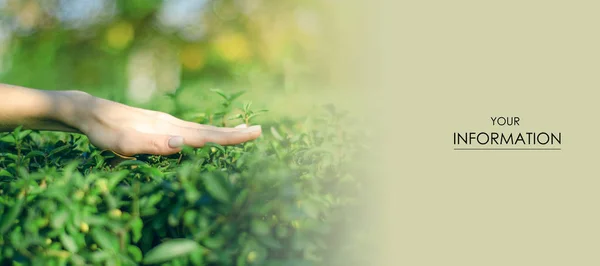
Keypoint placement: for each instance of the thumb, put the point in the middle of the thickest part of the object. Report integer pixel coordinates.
(154, 144)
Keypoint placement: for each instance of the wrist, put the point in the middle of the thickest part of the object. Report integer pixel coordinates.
(72, 108)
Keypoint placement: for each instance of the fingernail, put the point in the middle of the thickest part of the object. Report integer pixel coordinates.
(253, 129)
(176, 142)
(241, 126)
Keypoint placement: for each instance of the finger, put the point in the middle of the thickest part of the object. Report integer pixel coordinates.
(141, 143)
(198, 138)
(183, 123)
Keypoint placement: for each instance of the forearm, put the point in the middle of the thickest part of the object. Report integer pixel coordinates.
(38, 109)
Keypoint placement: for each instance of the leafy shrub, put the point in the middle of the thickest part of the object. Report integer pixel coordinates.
(278, 200)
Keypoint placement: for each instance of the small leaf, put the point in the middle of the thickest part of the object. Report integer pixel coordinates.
(59, 218)
(5, 173)
(259, 227)
(135, 252)
(68, 242)
(8, 138)
(214, 242)
(215, 145)
(57, 150)
(105, 240)
(35, 153)
(24, 134)
(238, 116)
(131, 163)
(236, 95)
(17, 130)
(220, 92)
(170, 250)
(136, 229)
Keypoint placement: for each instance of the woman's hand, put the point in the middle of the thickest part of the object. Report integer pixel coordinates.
(128, 130)
(110, 125)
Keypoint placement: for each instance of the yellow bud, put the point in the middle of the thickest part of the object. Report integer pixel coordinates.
(92, 199)
(120, 35)
(192, 57)
(251, 256)
(79, 195)
(233, 47)
(63, 254)
(21, 194)
(296, 224)
(44, 222)
(115, 213)
(84, 227)
(102, 185)
(48, 241)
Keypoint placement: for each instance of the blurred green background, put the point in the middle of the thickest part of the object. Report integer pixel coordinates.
(134, 51)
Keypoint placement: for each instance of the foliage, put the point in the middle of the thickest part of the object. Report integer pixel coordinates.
(278, 200)
(107, 44)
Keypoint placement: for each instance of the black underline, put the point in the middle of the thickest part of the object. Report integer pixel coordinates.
(507, 149)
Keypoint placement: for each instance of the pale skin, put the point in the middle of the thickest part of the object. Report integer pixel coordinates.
(110, 125)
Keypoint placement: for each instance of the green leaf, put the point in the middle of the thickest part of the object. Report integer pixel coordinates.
(241, 198)
(68, 242)
(135, 252)
(105, 240)
(189, 217)
(270, 242)
(215, 185)
(196, 257)
(215, 145)
(236, 95)
(214, 242)
(35, 153)
(11, 156)
(8, 138)
(57, 150)
(238, 116)
(115, 178)
(11, 216)
(311, 208)
(5, 173)
(131, 163)
(17, 130)
(169, 250)
(24, 134)
(260, 227)
(220, 92)
(136, 229)
(100, 256)
(59, 219)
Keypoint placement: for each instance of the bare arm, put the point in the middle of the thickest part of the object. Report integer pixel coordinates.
(36, 109)
(110, 125)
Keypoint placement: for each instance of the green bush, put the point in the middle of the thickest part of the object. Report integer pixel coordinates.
(279, 200)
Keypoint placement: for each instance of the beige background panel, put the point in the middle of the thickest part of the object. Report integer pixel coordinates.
(446, 66)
